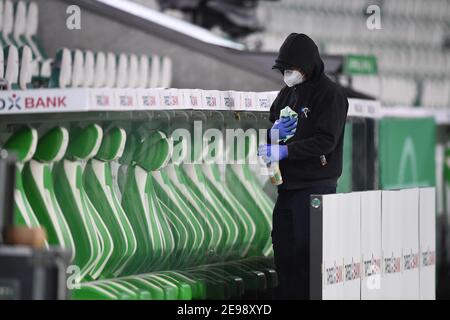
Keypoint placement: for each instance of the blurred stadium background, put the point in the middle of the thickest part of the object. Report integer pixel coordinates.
(412, 48)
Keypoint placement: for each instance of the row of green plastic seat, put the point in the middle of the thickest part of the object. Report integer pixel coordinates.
(85, 69)
(109, 242)
(19, 27)
(26, 64)
(77, 68)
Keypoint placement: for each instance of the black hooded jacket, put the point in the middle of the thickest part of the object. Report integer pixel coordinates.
(315, 151)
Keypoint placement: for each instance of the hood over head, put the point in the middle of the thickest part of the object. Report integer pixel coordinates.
(299, 50)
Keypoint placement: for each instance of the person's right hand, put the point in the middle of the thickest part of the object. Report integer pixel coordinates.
(282, 128)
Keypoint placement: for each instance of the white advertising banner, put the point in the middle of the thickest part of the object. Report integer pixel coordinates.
(44, 100)
(263, 101)
(148, 99)
(350, 214)
(376, 245)
(391, 241)
(230, 100)
(211, 100)
(410, 243)
(427, 243)
(371, 245)
(192, 98)
(332, 248)
(248, 101)
(171, 99)
(120, 99)
(364, 108)
(102, 100)
(125, 99)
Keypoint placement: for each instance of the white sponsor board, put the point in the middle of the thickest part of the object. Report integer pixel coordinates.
(391, 242)
(410, 243)
(264, 101)
(371, 245)
(248, 101)
(341, 274)
(351, 236)
(332, 248)
(148, 99)
(102, 100)
(379, 245)
(427, 242)
(211, 100)
(364, 108)
(193, 98)
(171, 99)
(230, 100)
(42, 101)
(98, 99)
(125, 99)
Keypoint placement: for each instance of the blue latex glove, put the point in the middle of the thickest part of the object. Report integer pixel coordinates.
(273, 152)
(284, 127)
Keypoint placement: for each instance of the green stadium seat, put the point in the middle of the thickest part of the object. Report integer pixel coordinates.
(166, 72)
(88, 69)
(25, 70)
(122, 71)
(100, 70)
(98, 187)
(8, 24)
(133, 71)
(61, 74)
(39, 188)
(89, 291)
(2, 64)
(20, 19)
(23, 144)
(155, 71)
(110, 70)
(143, 71)
(11, 56)
(77, 69)
(30, 37)
(93, 242)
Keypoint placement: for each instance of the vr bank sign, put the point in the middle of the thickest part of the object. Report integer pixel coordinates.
(41, 101)
(14, 102)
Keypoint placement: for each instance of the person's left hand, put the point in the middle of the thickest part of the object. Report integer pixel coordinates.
(273, 152)
(283, 127)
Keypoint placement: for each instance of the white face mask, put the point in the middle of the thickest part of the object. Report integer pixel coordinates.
(292, 77)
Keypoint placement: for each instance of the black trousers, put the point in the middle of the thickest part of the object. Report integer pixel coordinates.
(290, 238)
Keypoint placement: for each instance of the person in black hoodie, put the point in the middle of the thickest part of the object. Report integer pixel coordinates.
(310, 161)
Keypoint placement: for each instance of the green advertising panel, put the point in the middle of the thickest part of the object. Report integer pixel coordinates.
(447, 166)
(345, 181)
(407, 152)
(360, 65)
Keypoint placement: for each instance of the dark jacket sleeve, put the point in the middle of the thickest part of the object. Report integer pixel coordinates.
(274, 109)
(330, 122)
(273, 114)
